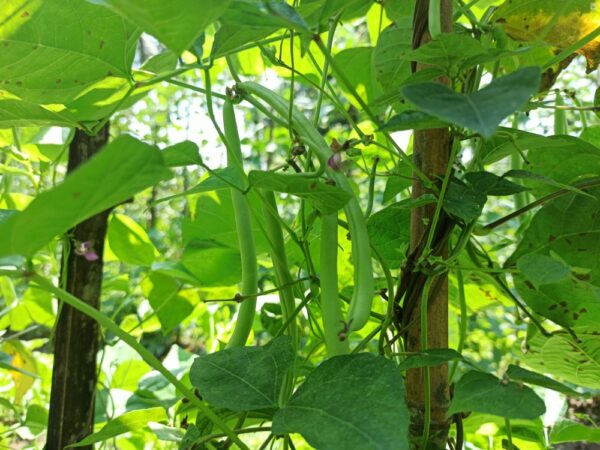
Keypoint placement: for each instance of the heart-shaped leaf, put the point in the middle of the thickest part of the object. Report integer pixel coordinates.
(482, 392)
(481, 111)
(352, 402)
(243, 378)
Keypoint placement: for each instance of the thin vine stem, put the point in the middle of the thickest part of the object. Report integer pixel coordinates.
(144, 353)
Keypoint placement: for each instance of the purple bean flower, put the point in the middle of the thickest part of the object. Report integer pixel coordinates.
(86, 249)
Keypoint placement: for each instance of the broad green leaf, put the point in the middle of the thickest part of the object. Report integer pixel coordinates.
(167, 301)
(246, 21)
(571, 431)
(123, 168)
(326, 198)
(542, 269)
(264, 14)
(566, 230)
(391, 68)
(389, 233)
(34, 306)
(562, 356)
(356, 64)
(491, 184)
(591, 134)
(522, 375)
(182, 154)
(21, 113)
(243, 378)
(560, 24)
(129, 422)
(37, 418)
(463, 201)
(215, 221)
(212, 263)
(449, 52)
(481, 111)
(176, 23)
(230, 37)
(389, 229)
(430, 358)
(482, 392)
(358, 402)
(564, 159)
(52, 50)
(129, 241)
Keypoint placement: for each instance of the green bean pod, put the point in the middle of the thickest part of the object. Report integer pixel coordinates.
(243, 222)
(560, 116)
(435, 18)
(360, 305)
(330, 301)
(274, 235)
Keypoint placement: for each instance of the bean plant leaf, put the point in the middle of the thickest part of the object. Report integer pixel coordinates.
(464, 201)
(243, 378)
(20, 113)
(389, 231)
(576, 360)
(448, 52)
(170, 305)
(560, 24)
(358, 402)
(391, 69)
(181, 154)
(564, 159)
(128, 422)
(52, 50)
(130, 242)
(481, 111)
(175, 23)
(523, 375)
(212, 263)
(563, 233)
(571, 431)
(482, 392)
(326, 198)
(491, 184)
(123, 168)
(265, 14)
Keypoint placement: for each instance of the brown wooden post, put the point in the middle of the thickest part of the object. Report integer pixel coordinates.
(76, 339)
(431, 150)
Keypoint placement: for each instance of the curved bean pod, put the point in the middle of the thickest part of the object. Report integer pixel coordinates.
(241, 211)
(360, 306)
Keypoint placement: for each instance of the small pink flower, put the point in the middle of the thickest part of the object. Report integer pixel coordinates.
(86, 249)
(335, 161)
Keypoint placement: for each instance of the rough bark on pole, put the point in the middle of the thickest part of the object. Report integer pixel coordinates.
(76, 339)
(431, 150)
